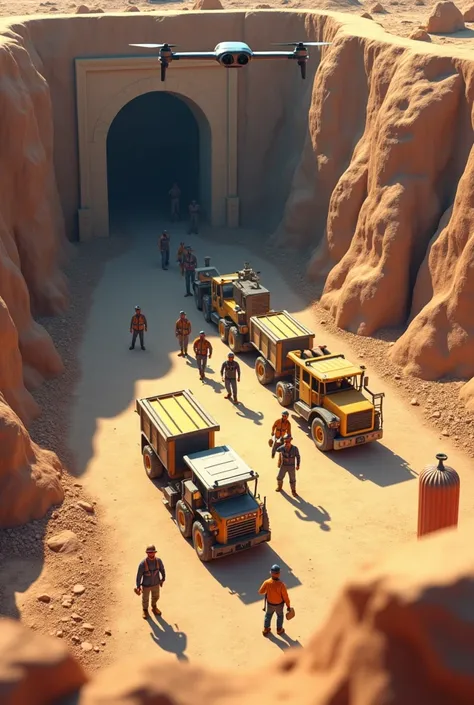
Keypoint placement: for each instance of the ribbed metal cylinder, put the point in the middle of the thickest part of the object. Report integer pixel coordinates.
(438, 498)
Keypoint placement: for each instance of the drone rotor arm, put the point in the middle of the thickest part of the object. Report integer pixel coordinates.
(273, 55)
(195, 55)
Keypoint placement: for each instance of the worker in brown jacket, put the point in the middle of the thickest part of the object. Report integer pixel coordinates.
(138, 327)
(183, 331)
(164, 245)
(276, 596)
(280, 429)
(180, 257)
(202, 348)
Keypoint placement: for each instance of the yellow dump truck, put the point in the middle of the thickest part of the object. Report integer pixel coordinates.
(211, 491)
(327, 390)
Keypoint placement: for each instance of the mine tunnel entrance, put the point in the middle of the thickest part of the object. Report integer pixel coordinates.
(155, 140)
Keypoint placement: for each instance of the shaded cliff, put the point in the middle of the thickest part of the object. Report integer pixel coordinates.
(400, 632)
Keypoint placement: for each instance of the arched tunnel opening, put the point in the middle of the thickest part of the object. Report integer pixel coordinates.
(153, 142)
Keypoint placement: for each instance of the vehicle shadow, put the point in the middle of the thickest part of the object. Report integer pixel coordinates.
(284, 642)
(168, 638)
(372, 462)
(309, 512)
(243, 574)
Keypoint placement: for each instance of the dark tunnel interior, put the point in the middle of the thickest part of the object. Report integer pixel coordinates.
(152, 143)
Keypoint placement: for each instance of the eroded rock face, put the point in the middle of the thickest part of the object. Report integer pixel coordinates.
(29, 476)
(400, 632)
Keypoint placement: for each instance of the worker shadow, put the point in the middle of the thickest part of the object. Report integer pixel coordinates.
(241, 573)
(372, 462)
(168, 638)
(284, 642)
(309, 512)
(218, 387)
(246, 413)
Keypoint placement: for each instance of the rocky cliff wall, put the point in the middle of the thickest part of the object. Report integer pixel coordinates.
(400, 633)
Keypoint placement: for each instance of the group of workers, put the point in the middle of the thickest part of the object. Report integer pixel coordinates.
(151, 576)
(194, 209)
(151, 573)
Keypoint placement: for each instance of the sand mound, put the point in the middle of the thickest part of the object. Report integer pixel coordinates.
(207, 5)
(400, 632)
(29, 476)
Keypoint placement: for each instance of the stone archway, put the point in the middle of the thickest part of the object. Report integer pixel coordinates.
(155, 140)
(105, 86)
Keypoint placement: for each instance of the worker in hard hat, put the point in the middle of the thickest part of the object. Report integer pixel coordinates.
(138, 327)
(230, 373)
(202, 349)
(182, 332)
(276, 597)
(289, 462)
(280, 429)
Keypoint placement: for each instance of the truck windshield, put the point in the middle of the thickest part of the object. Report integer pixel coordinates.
(231, 491)
(228, 291)
(340, 385)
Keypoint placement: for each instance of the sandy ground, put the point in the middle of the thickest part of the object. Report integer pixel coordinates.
(354, 504)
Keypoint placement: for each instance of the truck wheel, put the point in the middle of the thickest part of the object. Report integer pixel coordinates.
(264, 371)
(184, 519)
(198, 298)
(153, 465)
(206, 308)
(203, 542)
(235, 340)
(266, 520)
(284, 393)
(224, 330)
(322, 436)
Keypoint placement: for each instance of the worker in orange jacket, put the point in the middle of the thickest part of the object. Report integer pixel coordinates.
(183, 331)
(138, 327)
(276, 596)
(202, 348)
(280, 429)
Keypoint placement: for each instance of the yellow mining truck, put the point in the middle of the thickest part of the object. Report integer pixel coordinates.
(211, 491)
(327, 390)
(232, 301)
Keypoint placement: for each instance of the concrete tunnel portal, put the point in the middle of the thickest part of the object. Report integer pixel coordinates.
(156, 139)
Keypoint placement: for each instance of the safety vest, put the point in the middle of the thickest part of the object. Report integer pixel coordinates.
(190, 262)
(202, 346)
(138, 322)
(281, 427)
(183, 326)
(149, 572)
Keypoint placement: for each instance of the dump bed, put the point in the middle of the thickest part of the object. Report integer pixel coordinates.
(277, 333)
(175, 424)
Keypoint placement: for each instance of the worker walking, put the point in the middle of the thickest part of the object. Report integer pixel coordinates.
(280, 429)
(190, 264)
(175, 194)
(150, 578)
(202, 348)
(138, 327)
(276, 597)
(180, 257)
(164, 245)
(182, 332)
(289, 462)
(230, 373)
(194, 209)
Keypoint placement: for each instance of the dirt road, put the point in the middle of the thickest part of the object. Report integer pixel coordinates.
(354, 503)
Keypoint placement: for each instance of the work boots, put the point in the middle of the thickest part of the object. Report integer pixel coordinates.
(266, 631)
(156, 611)
(279, 486)
(280, 631)
(145, 614)
(293, 490)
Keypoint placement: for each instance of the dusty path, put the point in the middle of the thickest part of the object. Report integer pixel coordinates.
(354, 503)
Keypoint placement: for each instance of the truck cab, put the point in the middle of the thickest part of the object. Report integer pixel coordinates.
(233, 300)
(202, 283)
(220, 508)
(332, 394)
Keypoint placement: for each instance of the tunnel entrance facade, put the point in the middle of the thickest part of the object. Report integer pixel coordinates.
(119, 95)
(154, 141)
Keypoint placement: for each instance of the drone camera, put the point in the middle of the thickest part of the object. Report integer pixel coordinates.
(242, 59)
(227, 59)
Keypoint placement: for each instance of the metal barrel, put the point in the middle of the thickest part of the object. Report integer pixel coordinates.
(207, 261)
(438, 498)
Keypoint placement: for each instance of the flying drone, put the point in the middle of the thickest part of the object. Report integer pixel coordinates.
(233, 54)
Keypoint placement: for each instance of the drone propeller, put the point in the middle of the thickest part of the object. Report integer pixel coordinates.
(152, 46)
(302, 44)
